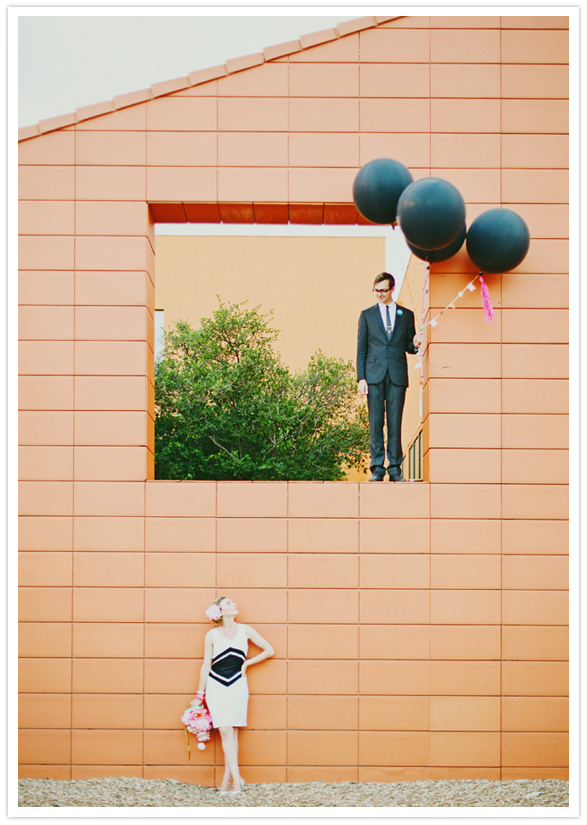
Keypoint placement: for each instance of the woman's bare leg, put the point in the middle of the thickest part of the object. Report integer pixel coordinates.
(236, 749)
(229, 737)
(226, 783)
(239, 783)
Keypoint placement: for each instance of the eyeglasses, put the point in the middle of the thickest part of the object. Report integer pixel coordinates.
(382, 291)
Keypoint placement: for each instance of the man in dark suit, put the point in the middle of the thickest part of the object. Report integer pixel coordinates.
(386, 332)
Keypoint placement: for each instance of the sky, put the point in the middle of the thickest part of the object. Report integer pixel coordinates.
(70, 60)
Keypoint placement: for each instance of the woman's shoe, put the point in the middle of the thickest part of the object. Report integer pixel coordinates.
(241, 788)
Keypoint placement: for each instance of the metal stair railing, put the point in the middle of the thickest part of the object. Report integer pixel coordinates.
(412, 461)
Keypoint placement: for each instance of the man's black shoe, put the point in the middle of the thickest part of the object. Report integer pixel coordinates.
(396, 476)
(378, 475)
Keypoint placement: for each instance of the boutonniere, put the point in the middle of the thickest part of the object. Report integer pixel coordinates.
(399, 311)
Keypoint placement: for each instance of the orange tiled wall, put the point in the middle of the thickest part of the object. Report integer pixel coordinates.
(420, 630)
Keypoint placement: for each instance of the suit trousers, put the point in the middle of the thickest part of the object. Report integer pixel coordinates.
(386, 402)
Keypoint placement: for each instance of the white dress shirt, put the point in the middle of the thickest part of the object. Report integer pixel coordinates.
(392, 308)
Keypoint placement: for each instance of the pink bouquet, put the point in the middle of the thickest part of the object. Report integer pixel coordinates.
(197, 720)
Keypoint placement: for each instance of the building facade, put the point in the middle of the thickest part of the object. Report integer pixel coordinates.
(420, 629)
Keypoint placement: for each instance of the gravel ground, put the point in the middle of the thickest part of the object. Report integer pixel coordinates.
(121, 792)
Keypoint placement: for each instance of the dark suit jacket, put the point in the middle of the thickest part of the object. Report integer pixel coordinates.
(376, 355)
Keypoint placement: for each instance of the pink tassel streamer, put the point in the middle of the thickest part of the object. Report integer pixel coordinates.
(488, 313)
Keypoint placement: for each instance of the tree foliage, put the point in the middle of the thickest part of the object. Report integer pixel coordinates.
(228, 408)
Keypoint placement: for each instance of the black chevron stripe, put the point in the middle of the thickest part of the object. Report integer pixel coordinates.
(227, 666)
(225, 682)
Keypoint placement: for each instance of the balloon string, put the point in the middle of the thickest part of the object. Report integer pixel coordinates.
(435, 366)
(425, 287)
(434, 321)
(413, 303)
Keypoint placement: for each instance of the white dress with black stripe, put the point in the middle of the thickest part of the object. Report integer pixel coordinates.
(227, 691)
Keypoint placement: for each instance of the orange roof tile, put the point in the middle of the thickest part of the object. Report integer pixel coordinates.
(237, 64)
(131, 98)
(316, 38)
(205, 75)
(167, 87)
(95, 109)
(351, 26)
(282, 49)
(49, 124)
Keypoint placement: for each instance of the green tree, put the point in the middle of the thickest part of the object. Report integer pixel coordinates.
(227, 408)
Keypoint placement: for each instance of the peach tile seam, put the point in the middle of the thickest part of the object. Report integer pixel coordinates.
(429, 96)
(359, 570)
(287, 589)
(501, 417)
(144, 622)
(74, 454)
(288, 188)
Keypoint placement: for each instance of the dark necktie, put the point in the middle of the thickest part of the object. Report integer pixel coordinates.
(388, 321)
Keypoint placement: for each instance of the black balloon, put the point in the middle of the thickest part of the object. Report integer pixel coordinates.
(377, 188)
(437, 255)
(431, 213)
(498, 240)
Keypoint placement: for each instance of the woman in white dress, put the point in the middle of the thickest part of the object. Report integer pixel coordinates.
(223, 681)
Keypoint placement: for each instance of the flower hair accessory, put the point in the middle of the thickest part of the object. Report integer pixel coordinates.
(214, 612)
